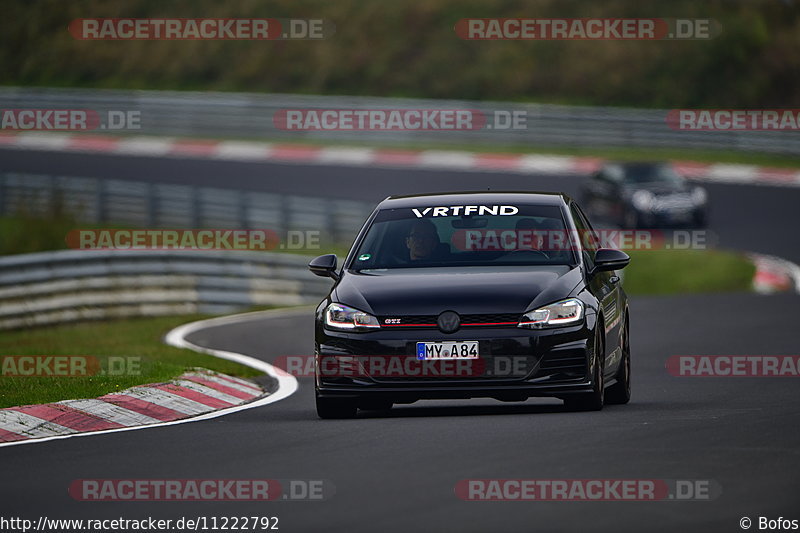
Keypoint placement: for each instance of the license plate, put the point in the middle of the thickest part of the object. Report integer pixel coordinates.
(447, 350)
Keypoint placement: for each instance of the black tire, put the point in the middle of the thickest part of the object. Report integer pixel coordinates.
(592, 401)
(620, 392)
(336, 408)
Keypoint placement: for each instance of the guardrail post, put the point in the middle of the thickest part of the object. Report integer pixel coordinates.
(152, 205)
(330, 221)
(244, 219)
(196, 207)
(283, 216)
(52, 200)
(2, 194)
(101, 200)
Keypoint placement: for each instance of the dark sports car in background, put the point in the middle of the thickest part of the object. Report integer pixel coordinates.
(496, 295)
(644, 195)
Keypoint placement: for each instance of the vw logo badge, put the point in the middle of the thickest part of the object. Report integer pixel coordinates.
(448, 322)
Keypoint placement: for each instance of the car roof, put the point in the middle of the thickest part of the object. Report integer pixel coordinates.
(475, 197)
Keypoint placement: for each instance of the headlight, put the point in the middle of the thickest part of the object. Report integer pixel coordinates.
(643, 200)
(340, 316)
(560, 313)
(699, 195)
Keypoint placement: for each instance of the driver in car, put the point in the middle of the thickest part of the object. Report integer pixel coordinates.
(423, 241)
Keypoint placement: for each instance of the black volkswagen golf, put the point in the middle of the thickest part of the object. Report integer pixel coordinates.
(501, 295)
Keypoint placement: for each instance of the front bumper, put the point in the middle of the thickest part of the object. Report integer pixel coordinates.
(514, 364)
(672, 217)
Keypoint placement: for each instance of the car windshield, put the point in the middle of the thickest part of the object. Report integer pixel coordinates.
(651, 174)
(487, 235)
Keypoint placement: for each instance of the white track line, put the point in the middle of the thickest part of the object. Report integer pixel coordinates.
(287, 384)
(466, 161)
(43, 141)
(346, 156)
(447, 159)
(146, 146)
(241, 150)
(546, 163)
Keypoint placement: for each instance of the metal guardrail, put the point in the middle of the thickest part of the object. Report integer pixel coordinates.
(163, 205)
(246, 115)
(63, 286)
(70, 285)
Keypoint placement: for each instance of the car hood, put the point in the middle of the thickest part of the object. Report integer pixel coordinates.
(478, 290)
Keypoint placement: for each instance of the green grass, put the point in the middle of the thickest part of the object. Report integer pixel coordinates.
(25, 233)
(135, 337)
(687, 271)
(410, 49)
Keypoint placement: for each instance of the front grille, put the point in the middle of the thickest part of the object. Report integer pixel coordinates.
(504, 318)
(471, 320)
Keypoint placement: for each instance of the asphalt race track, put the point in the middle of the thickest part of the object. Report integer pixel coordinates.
(397, 472)
(745, 217)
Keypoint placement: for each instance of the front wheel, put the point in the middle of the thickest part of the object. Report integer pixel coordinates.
(592, 401)
(335, 407)
(620, 392)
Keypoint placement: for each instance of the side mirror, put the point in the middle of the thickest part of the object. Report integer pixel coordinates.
(325, 266)
(609, 259)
